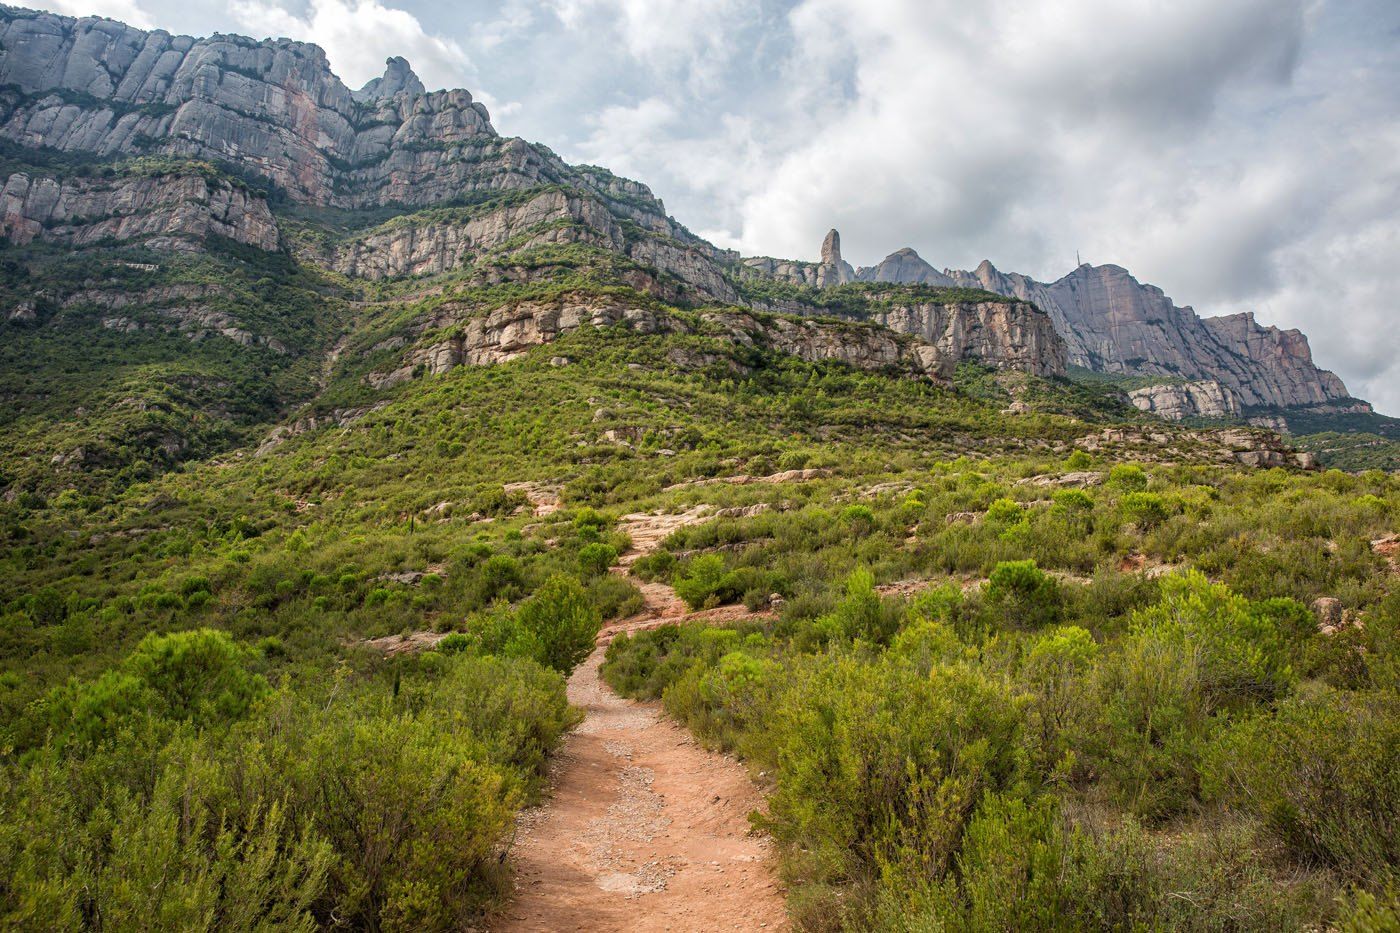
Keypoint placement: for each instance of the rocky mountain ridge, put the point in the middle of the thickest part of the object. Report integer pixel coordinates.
(505, 210)
(1113, 323)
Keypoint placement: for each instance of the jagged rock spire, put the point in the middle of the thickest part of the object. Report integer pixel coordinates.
(398, 78)
(831, 248)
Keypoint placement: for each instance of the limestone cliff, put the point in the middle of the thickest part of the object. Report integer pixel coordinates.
(904, 267)
(1176, 402)
(1112, 323)
(275, 109)
(172, 211)
(473, 336)
(440, 240)
(1001, 334)
(830, 270)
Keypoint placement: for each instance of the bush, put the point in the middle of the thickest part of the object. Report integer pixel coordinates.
(1127, 477)
(1146, 509)
(1021, 595)
(1005, 512)
(699, 581)
(878, 768)
(1323, 774)
(556, 627)
(1200, 650)
(498, 577)
(657, 565)
(859, 518)
(1062, 705)
(1079, 460)
(595, 558)
(203, 677)
(1073, 501)
(368, 809)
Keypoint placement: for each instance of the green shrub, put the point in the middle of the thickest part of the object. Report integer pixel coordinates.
(1323, 774)
(859, 518)
(657, 565)
(556, 627)
(1005, 512)
(878, 768)
(1127, 477)
(1062, 704)
(1073, 501)
(697, 583)
(1200, 650)
(1021, 595)
(498, 577)
(203, 677)
(1145, 509)
(596, 558)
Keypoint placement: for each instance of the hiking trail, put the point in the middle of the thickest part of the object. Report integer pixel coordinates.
(643, 829)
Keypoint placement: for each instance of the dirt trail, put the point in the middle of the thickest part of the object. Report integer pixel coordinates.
(644, 829)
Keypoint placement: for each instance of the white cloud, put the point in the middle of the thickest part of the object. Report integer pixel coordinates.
(126, 11)
(686, 39)
(358, 35)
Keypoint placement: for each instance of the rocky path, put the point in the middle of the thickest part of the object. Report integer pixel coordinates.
(644, 829)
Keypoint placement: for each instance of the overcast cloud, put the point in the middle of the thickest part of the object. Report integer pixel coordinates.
(1241, 154)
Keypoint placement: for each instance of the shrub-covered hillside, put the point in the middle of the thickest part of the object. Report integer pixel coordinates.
(1021, 676)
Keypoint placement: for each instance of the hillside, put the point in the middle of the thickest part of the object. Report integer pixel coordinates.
(406, 530)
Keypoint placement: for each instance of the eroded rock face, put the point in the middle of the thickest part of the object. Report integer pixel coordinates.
(503, 334)
(904, 267)
(1113, 323)
(274, 108)
(831, 270)
(1005, 335)
(441, 240)
(168, 211)
(1176, 402)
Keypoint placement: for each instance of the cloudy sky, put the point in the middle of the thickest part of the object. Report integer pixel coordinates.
(1241, 154)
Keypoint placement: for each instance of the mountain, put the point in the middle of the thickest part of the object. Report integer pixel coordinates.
(229, 211)
(451, 190)
(1112, 323)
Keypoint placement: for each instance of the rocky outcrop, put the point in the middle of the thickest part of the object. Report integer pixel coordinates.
(274, 109)
(1002, 334)
(831, 270)
(1110, 322)
(1240, 446)
(442, 239)
(857, 345)
(478, 338)
(175, 211)
(398, 79)
(197, 323)
(439, 240)
(1113, 323)
(904, 267)
(339, 417)
(1176, 402)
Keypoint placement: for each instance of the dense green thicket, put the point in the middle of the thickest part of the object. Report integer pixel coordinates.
(180, 792)
(966, 768)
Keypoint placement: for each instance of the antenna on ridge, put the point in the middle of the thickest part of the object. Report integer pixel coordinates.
(1077, 262)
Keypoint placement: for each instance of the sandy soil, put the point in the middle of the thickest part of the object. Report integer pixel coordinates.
(643, 829)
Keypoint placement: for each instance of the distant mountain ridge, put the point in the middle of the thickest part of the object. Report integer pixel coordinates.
(1112, 323)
